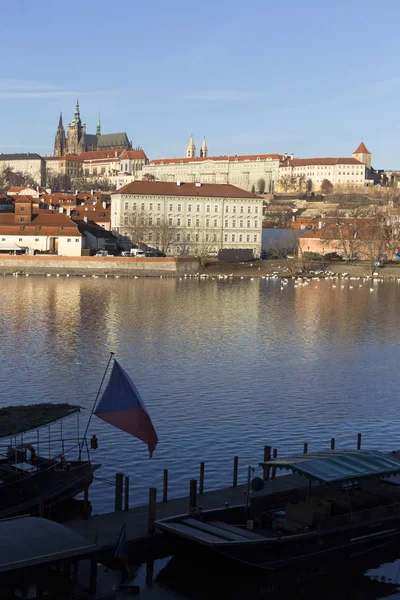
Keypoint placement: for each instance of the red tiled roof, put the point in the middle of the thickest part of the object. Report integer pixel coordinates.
(101, 154)
(302, 162)
(19, 189)
(26, 200)
(362, 149)
(167, 188)
(168, 161)
(133, 154)
(49, 224)
(101, 215)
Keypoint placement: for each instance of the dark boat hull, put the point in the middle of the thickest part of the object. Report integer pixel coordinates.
(24, 495)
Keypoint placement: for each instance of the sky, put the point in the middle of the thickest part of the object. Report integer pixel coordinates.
(312, 78)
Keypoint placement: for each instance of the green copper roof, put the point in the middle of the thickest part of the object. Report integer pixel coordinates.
(338, 466)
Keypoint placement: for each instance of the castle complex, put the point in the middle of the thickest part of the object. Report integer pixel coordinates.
(77, 140)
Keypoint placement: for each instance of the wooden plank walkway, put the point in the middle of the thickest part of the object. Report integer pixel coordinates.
(104, 529)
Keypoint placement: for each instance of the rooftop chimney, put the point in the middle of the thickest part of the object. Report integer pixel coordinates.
(198, 184)
(85, 219)
(178, 182)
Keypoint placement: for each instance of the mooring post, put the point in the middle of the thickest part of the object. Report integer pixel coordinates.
(235, 470)
(201, 482)
(248, 486)
(192, 495)
(274, 455)
(305, 448)
(119, 478)
(358, 441)
(41, 507)
(86, 502)
(152, 509)
(149, 572)
(267, 457)
(165, 486)
(332, 443)
(126, 495)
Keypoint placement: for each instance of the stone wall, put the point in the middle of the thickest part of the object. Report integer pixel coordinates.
(88, 265)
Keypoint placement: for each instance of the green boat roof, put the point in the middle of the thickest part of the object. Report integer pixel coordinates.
(338, 466)
(18, 419)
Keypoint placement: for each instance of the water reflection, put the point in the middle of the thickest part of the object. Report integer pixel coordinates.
(224, 367)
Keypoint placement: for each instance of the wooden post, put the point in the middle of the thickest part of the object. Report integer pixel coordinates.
(248, 487)
(358, 441)
(86, 502)
(192, 495)
(201, 483)
(332, 443)
(235, 470)
(149, 572)
(41, 507)
(126, 495)
(93, 577)
(152, 509)
(267, 457)
(119, 477)
(274, 455)
(165, 486)
(305, 448)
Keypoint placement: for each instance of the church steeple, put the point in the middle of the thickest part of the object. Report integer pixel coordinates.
(98, 128)
(59, 142)
(191, 148)
(77, 116)
(204, 149)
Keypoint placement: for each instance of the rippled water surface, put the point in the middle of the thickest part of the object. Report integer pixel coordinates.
(224, 367)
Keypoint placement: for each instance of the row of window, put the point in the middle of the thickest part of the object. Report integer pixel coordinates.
(38, 239)
(190, 222)
(190, 206)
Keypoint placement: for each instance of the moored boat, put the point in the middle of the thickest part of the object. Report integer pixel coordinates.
(352, 504)
(39, 466)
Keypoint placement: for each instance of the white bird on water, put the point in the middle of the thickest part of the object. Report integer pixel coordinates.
(371, 289)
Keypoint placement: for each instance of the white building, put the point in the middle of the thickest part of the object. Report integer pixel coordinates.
(343, 171)
(197, 215)
(28, 164)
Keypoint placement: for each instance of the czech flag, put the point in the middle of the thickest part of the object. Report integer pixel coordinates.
(121, 549)
(122, 406)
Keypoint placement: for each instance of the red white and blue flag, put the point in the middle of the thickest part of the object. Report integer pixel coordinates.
(122, 406)
(121, 549)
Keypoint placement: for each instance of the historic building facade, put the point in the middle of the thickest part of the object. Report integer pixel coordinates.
(194, 216)
(77, 140)
(28, 164)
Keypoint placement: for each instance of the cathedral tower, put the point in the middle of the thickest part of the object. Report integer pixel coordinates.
(59, 142)
(75, 133)
(191, 148)
(98, 128)
(204, 149)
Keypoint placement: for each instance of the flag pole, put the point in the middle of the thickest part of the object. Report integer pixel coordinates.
(94, 404)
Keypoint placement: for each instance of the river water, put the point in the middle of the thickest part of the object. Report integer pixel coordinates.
(224, 367)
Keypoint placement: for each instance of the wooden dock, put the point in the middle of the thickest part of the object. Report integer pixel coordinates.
(103, 530)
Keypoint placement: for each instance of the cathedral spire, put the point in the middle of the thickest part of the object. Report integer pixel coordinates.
(60, 142)
(77, 117)
(204, 149)
(98, 128)
(60, 122)
(191, 148)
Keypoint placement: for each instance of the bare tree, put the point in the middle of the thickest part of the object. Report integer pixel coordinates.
(261, 185)
(285, 182)
(346, 232)
(137, 225)
(253, 189)
(326, 187)
(59, 183)
(164, 234)
(148, 177)
(301, 182)
(203, 242)
(10, 178)
(309, 186)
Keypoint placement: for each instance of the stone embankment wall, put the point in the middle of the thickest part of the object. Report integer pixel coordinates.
(111, 265)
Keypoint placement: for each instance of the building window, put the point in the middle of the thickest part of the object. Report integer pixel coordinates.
(151, 206)
(256, 223)
(150, 221)
(142, 206)
(249, 209)
(197, 222)
(255, 238)
(215, 223)
(3, 239)
(178, 237)
(248, 238)
(234, 209)
(234, 223)
(226, 237)
(207, 222)
(248, 223)
(189, 208)
(226, 208)
(233, 237)
(171, 207)
(36, 239)
(197, 237)
(189, 222)
(215, 208)
(76, 240)
(126, 205)
(208, 208)
(126, 221)
(198, 208)
(69, 239)
(178, 222)
(241, 209)
(256, 209)
(240, 238)
(22, 219)
(169, 221)
(158, 206)
(158, 220)
(188, 237)
(150, 237)
(22, 208)
(207, 237)
(179, 207)
(241, 223)
(20, 239)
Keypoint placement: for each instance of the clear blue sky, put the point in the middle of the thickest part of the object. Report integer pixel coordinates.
(313, 77)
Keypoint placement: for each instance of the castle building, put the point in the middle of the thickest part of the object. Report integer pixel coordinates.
(363, 155)
(77, 140)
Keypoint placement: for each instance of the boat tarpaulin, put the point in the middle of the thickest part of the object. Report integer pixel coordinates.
(337, 466)
(122, 406)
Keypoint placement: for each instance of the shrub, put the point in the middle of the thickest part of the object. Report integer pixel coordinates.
(312, 256)
(333, 256)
